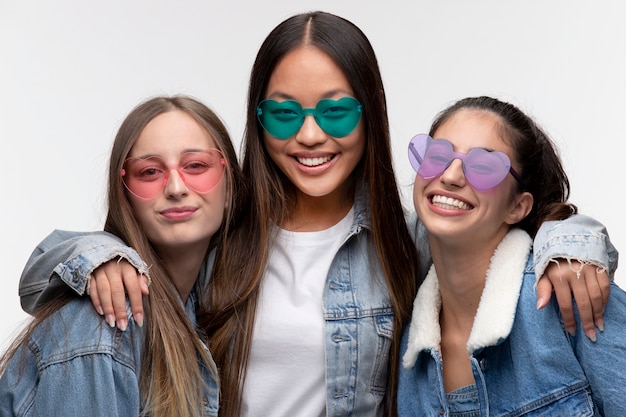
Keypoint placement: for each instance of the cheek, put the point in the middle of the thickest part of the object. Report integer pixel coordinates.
(217, 201)
(355, 143)
(140, 209)
(272, 146)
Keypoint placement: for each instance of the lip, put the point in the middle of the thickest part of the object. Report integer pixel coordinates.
(178, 213)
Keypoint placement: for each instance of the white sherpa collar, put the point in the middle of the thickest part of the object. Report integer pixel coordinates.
(496, 310)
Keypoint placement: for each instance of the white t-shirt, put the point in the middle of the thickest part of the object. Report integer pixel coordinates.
(286, 373)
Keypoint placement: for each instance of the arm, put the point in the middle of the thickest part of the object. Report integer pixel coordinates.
(69, 259)
(575, 255)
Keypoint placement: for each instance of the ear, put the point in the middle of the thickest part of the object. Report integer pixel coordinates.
(523, 203)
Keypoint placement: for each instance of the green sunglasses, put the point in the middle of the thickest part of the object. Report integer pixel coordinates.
(283, 119)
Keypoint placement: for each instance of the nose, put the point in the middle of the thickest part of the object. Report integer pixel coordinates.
(454, 174)
(310, 134)
(175, 186)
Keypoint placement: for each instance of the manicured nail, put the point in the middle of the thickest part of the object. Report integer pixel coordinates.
(600, 324)
(571, 331)
(110, 319)
(139, 319)
(99, 310)
(591, 334)
(122, 324)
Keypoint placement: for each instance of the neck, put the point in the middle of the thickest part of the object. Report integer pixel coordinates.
(461, 268)
(312, 214)
(183, 265)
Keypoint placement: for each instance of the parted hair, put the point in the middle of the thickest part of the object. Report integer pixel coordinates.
(235, 284)
(170, 380)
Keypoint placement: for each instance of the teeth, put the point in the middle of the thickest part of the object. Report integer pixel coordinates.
(447, 202)
(311, 162)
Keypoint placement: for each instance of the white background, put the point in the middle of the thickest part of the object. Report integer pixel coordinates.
(71, 70)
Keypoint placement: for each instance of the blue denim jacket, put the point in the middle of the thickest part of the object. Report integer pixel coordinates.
(357, 307)
(523, 360)
(76, 365)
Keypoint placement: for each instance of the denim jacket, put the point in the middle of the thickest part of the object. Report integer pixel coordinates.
(74, 364)
(523, 360)
(357, 307)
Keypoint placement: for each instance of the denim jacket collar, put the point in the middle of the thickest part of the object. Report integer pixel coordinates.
(496, 310)
(362, 215)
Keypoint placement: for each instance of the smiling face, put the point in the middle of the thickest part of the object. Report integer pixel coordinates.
(448, 204)
(318, 164)
(177, 216)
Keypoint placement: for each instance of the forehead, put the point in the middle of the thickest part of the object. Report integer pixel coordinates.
(471, 128)
(307, 74)
(172, 133)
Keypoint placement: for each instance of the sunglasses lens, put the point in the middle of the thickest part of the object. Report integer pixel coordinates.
(201, 171)
(144, 177)
(281, 119)
(429, 157)
(338, 118)
(439, 154)
(147, 177)
(485, 170)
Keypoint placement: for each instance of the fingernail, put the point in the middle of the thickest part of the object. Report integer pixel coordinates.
(591, 334)
(600, 324)
(139, 319)
(571, 331)
(122, 324)
(99, 310)
(110, 319)
(539, 304)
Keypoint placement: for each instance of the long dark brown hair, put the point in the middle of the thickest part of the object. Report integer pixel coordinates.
(236, 281)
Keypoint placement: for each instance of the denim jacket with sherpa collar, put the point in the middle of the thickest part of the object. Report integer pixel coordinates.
(523, 360)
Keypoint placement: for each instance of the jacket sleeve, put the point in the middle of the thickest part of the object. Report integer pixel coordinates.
(580, 238)
(67, 258)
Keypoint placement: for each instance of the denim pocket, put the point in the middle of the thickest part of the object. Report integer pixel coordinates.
(576, 404)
